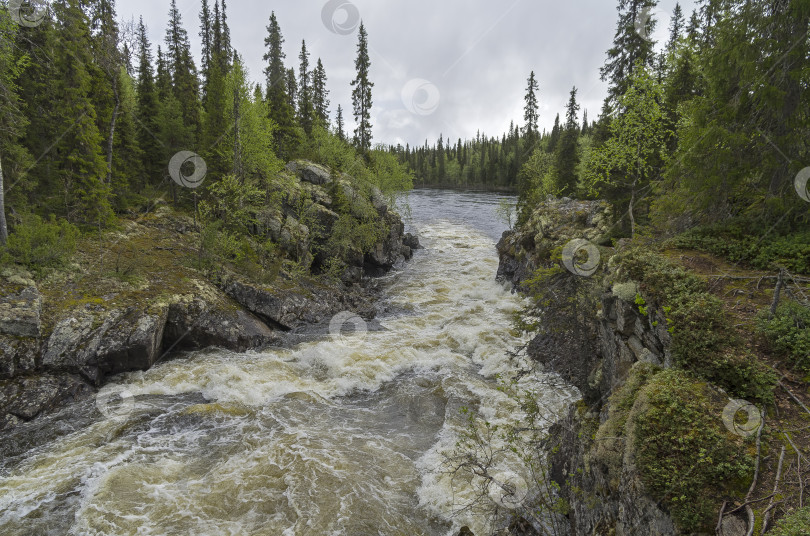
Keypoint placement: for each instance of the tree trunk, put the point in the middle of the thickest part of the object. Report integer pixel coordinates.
(112, 134)
(3, 226)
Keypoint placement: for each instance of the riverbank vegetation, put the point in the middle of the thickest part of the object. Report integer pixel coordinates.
(97, 127)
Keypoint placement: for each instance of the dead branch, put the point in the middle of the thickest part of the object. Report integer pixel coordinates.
(767, 514)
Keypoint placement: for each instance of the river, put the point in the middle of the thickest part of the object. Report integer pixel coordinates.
(340, 435)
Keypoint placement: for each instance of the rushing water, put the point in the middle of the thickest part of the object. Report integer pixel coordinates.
(335, 436)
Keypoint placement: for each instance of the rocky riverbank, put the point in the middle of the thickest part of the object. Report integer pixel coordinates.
(135, 297)
(603, 332)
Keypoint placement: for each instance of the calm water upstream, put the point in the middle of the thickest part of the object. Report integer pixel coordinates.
(336, 436)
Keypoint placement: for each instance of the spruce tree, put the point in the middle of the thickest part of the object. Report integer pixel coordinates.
(530, 111)
(361, 94)
(276, 91)
(292, 89)
(341, 134)
(568, 155)
(183, 71)
(630, 47)
(305, 107)
(148, 107)
(320, 93)
(207, 37)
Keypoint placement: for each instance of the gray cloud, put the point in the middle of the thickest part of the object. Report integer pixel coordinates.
(476, 53)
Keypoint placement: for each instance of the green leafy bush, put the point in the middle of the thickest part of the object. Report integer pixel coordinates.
(39, 244)
(795, 523)
(685, 456)
(788, 332)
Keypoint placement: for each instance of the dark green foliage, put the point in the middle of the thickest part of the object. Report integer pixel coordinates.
(741, 242)
(38, 244)
(788, 332)
(685, 456)
(796, 523)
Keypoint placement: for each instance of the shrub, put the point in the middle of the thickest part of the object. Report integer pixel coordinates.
(686, 458)
(39, 244)
(703, 340)
(788, 332)
(795, 523)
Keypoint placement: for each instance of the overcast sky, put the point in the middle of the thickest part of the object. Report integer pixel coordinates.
(439, 66)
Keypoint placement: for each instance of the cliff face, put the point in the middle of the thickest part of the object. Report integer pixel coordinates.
(62, 336)
(596, 471)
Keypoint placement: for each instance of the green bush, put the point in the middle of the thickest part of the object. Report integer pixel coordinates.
(788, 332)
(703, 340)
(796, 523)
(38, 244)
(740, 243)
(685, 456)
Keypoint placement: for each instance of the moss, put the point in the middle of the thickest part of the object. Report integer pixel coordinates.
(685, 456)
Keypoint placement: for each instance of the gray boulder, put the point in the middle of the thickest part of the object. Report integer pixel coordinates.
(310, 172)
(20, 313)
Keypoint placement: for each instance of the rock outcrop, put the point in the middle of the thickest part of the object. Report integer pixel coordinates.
(597, 359)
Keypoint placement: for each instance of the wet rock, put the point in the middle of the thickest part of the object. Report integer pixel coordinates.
(28, 397)
(126, 339)
(387, 251)
(20, 313)
(194, 323)
(411, 241)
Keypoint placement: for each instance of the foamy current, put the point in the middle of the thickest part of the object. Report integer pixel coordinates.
(338, 436)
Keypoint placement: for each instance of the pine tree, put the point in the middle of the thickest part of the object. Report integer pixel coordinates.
(554, 138)
(320, 93)
(81, 169)
(361, 94)
(305, 108)
(163, 77)
(276, 91)
(629, 48)
(148, 107)
(292, 89)
(207, 37)
(183, 71)
(585, 125)
(568, 155)
(12, 119)
(675, 28)
(530, 111)
(341, 134)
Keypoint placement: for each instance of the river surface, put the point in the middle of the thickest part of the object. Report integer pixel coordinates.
(342, 435)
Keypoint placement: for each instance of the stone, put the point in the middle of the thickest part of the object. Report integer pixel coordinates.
(20, 313)
(310, 172)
